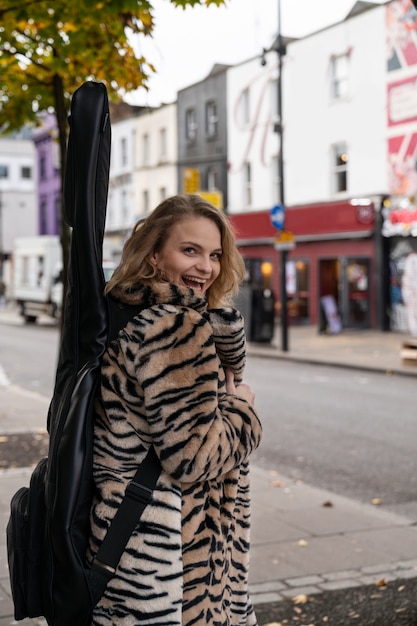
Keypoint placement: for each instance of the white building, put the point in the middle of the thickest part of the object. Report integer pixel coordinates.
(333, 114)
(18, 199)
(143, 169)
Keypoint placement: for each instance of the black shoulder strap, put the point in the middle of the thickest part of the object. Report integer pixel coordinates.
(137, 496)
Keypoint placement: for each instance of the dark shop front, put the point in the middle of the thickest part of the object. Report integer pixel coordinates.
(334, 269)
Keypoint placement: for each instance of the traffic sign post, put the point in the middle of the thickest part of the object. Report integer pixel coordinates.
(284, 241)
(277, 214)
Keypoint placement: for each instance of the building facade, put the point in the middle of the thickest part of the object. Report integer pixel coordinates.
(45, 139)
(143, 169)
(202, 137)
(18, 198)
(336, 174)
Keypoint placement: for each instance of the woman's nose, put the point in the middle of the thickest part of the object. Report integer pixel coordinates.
(204, 264)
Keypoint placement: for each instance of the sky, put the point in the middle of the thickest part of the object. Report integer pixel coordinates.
(187, 43)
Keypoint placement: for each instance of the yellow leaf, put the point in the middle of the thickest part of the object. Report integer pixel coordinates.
(302, 543)
(376, 501)
(300, 599)
(381, 582)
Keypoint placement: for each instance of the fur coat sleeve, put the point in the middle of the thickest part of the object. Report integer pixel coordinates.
(198, 430)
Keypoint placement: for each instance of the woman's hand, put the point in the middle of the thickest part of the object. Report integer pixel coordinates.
(242, 390)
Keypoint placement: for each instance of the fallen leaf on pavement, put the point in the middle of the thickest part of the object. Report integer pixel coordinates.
(376, 501)
(300, 599)
(302, 543)
(328, 503)
(277, 483)
(4, 439)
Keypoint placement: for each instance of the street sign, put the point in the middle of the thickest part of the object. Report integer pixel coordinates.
(214, 197)
(284, 241)
(277, 214)
(190, 180)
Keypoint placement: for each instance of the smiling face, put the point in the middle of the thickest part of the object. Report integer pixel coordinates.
(191, 254)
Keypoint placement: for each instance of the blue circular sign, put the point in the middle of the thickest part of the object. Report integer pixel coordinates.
(278, 216)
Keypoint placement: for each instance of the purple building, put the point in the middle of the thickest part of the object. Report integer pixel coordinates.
(49, 176)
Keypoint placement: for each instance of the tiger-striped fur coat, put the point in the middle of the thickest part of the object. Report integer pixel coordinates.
(163, 383)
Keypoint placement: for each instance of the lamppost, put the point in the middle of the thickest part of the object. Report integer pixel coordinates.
(281, 51)
(1, 236)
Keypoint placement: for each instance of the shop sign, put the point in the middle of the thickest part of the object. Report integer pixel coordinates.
(214, 197)
(190, 180)
(284, 241)
(399, 221)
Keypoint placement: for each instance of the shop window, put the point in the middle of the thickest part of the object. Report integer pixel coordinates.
(298, 290)
(340, 167)
(357, 278)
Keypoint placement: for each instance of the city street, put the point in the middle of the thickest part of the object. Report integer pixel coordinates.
(333, 485)
(348, 431)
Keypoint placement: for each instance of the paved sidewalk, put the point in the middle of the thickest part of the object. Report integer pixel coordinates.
(304, 540)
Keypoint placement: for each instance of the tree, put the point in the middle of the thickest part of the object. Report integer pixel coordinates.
(48, 48)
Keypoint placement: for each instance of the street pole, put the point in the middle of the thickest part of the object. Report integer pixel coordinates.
(1, 236)
(280, 49)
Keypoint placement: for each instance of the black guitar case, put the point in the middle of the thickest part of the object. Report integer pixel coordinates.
(83, 342)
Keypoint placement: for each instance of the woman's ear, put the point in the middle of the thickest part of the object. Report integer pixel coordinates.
(153, 258)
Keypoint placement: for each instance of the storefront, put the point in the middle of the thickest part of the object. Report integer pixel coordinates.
(400, 230)
(334, 260)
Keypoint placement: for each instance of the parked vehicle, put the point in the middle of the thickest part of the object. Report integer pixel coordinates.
(37, 262)
(57, 286)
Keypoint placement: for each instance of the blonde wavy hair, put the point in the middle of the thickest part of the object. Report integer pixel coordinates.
(149, 235)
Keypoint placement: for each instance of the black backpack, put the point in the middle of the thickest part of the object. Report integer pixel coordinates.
(48, 529)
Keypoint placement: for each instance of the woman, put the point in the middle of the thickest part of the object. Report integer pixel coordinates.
(173, 379)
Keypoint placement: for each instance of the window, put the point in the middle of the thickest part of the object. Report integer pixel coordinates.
(211, 119)
(43, 216)
(247, 184)
(58, 214)
(26, 172)
(123, 150)
(145, 201)
(42, 167)
(340, 75)
(212, 179)
(245, 107)
(162, 193)
(145, 149)
(124, 209)
(4, 171)
(190, 125)
(340, 165)
(163, 144)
